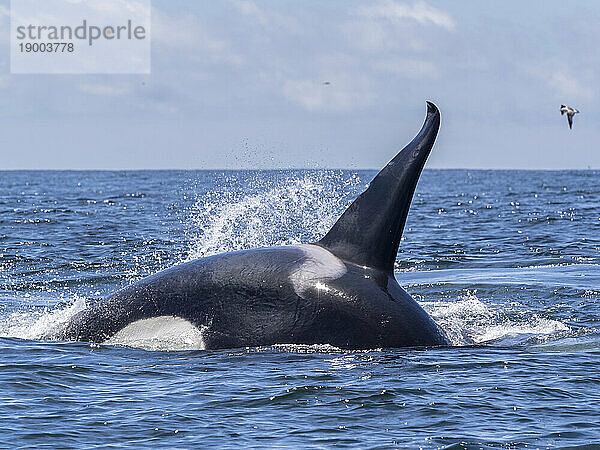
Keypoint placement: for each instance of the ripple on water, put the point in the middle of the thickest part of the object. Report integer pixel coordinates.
(506, 262)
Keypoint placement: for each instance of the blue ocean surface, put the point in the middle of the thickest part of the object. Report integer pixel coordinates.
(507, 262)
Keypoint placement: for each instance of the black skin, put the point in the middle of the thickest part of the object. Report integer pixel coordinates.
(247, 298)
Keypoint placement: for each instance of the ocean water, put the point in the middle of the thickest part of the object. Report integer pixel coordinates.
(507, 262)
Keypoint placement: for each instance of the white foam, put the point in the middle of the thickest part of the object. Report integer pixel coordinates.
(318, 265)
(536, 326)
(306, 348)
(469, 321)
(39, 324)
(160, 333)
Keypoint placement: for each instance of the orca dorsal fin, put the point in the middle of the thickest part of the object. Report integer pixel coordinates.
(369, 231)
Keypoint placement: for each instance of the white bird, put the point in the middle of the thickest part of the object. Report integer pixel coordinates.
(570, 113)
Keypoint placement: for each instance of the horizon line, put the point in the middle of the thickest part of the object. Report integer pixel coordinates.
(267, 169)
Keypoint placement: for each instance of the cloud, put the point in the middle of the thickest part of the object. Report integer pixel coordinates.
(377, 36)
(4, 26)
(345, 93)
(376, 47)
(184, 34)
(251, 9)
(390, 10)
(565, 83)
(411, 68)
(103, 89)
(264, 17)
(115, 7)
(388, 25)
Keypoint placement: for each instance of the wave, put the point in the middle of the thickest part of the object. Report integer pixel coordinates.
(38, 323)
(299, 208)
(468, 321)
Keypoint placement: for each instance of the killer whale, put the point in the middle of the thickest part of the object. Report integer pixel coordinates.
(340, 290)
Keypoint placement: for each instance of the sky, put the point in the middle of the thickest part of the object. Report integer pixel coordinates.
(240, 84)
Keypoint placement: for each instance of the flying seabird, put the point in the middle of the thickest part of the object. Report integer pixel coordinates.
(570, 113)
